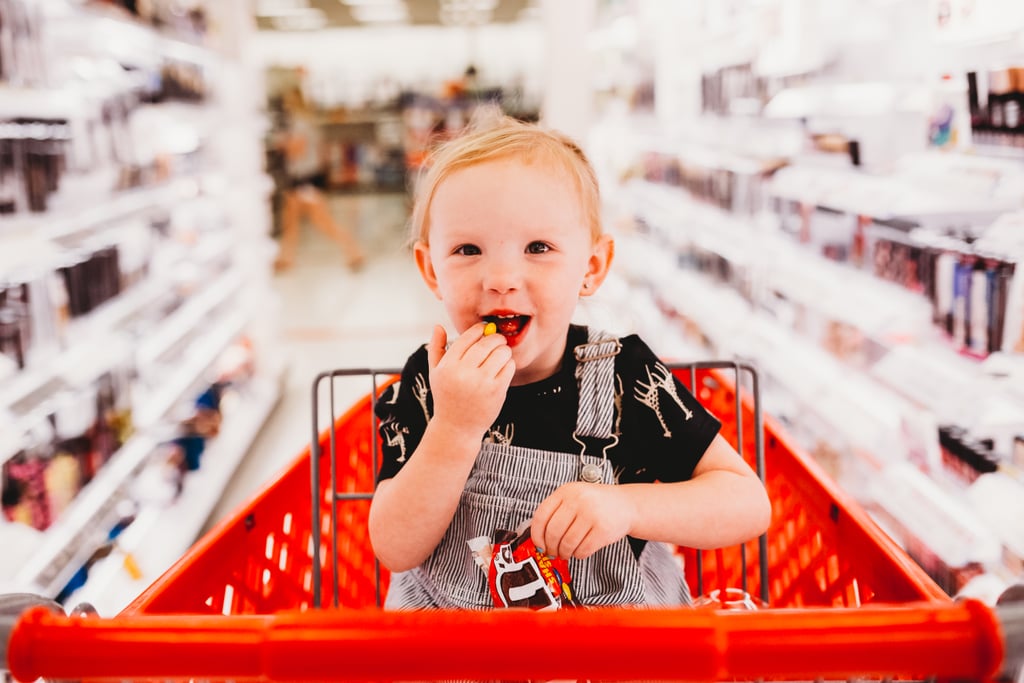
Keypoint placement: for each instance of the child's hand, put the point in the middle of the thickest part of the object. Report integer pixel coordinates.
(579, 519)
(469, 380)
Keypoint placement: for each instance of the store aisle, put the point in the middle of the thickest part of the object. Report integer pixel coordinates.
(333, 318)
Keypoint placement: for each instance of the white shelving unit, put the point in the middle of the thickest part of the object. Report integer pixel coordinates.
(838, 404)
(73, 538)
(874, 399)
(161, 533)
(227, 269)
(70, 542)
(68, 221)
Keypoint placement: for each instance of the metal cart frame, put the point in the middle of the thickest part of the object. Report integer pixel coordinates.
(740, 371)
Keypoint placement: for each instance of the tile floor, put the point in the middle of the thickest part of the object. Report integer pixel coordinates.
(331, 318)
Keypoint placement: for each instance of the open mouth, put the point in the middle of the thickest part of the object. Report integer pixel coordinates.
(509, 325)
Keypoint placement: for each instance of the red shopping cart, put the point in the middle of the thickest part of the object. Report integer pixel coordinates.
(838, 598)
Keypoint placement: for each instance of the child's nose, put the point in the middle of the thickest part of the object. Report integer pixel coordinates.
(502, 276)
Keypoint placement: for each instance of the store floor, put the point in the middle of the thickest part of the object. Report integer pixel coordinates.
(331, 318)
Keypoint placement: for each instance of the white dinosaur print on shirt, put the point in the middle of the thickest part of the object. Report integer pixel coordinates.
(648, 394)
(421, 391)
(503, 437)
(394, 435)
(394, 394)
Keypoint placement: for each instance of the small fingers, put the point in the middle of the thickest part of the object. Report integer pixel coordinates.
(550, 521)
(587, 546)
(498, 361)
(559, 537)
(507, 371)
(435, 347)
(541, 517)
(467, 340)
(484, 348)
(572, 541)
(568, 523)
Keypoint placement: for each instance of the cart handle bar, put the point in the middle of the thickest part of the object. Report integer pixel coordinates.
(963, 641)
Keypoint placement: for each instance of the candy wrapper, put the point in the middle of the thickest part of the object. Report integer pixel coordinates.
(518, 575)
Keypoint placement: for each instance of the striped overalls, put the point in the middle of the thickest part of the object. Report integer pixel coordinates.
(507, 484)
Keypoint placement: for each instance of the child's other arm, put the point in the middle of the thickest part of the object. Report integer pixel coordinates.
(724, 503)
(411, 512)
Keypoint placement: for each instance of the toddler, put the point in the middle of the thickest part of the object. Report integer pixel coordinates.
(585, 438)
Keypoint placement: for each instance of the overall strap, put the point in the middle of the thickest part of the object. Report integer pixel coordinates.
(595, 371)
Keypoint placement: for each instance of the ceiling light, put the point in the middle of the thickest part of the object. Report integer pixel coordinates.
(464, 17)
(273, 8)
(307, 19)
(484, 5)
(372, 3)
(530, 13)
(380, 14)
(466, 12)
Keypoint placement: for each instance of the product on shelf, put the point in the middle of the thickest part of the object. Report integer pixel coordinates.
(729, 181)
(957, 257)
(71, 437)
(41, 303)
(996, 101)
(968, 288)
(966, 458)
(202, 421)
(126, 512)
(728, 89)
(21, 58)
(949, 122)
(34, 150)
(33, 311)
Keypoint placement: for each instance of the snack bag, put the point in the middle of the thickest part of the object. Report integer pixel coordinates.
(521, 576)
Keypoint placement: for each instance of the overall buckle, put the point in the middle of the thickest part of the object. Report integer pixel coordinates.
(597, 350)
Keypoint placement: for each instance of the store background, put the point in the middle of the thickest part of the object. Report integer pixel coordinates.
(805, 184)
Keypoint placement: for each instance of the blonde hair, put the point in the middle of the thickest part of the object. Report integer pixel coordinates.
(501, 139)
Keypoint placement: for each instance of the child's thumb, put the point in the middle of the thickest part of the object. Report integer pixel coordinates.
(435, 347)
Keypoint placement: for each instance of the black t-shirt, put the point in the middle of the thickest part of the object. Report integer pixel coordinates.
(663, 430)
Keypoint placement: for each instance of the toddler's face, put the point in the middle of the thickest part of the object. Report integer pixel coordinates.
(509, 244)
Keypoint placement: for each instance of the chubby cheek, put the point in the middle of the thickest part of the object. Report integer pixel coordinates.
(459, 304)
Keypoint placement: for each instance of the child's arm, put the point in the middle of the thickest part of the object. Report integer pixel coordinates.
(410, 512)
(724, 503)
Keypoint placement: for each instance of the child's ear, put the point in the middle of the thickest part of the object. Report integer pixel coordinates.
(421, 251)
(601, 256)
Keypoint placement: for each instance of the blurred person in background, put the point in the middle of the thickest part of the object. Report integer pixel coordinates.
(303, 195)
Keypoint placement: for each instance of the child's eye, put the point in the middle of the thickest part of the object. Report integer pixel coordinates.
(467, 250)
(538, 248)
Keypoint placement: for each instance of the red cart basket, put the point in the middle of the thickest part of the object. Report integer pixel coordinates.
(835, 596)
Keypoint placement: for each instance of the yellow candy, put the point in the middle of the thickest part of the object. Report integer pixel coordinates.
(490, 328)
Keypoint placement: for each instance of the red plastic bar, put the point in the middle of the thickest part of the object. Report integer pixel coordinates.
(959, 641)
